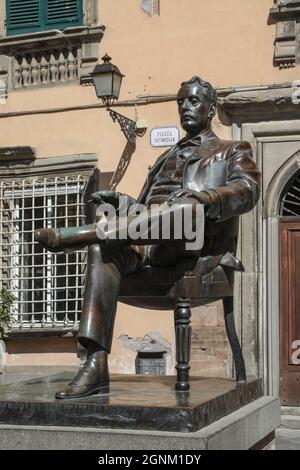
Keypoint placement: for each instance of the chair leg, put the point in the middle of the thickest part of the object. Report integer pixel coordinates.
(234, 341)
(183, 331)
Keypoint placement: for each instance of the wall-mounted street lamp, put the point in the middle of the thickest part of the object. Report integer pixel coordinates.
(107, 81)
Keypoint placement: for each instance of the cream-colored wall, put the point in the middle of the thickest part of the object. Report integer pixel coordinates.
(42, 351)
(228, 42)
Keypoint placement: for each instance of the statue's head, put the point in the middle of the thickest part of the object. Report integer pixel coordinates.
(197, 105)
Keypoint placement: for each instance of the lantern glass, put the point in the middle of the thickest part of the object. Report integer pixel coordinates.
(117, 85)
(104, 84)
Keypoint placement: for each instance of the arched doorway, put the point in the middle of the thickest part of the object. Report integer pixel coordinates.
(289, 292)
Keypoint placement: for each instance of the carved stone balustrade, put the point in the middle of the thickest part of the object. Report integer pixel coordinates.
(41, 68)
(50, 57)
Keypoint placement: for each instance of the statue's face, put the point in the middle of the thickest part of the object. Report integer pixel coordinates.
(194, 109)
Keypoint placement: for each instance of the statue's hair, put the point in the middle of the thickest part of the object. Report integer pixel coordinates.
(209, 91)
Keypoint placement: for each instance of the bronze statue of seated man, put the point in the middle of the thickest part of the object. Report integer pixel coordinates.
(200, 171)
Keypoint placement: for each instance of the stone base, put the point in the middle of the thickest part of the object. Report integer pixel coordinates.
(240, 430)
(288, 435)
(134, 402)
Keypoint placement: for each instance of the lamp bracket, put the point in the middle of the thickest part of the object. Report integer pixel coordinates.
(128, 126)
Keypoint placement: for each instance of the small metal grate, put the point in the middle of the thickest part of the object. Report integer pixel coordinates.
(48, 287)
(290, 204)
(155, 365)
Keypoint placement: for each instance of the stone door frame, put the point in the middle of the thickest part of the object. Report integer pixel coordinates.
(257, 290)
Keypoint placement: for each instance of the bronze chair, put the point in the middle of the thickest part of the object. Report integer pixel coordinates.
(189, 284)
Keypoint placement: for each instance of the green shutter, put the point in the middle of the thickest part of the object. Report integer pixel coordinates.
(23, 16)
(26, 16)
(63, 13)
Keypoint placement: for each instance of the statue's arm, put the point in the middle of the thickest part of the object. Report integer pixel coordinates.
(239, 195)
(241, 192)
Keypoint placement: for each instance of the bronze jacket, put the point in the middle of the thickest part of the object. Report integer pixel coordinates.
(224, 169)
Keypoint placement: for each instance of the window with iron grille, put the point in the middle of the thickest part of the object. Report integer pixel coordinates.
(26, 16)
(48, 287)
(290, 203)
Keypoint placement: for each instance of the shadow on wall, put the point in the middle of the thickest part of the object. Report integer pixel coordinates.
(122, 165)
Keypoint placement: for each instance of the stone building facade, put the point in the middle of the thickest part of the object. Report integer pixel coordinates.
(58, 144)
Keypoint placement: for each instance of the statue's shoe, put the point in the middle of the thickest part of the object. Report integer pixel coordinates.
(92, 379)
(49, 238)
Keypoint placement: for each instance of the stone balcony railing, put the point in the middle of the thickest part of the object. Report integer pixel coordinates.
(49, 57)
(42, 68)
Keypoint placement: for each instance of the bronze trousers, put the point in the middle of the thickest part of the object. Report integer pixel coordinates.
(105, 269)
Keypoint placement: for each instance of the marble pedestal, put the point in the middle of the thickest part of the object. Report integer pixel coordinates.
(134, 403)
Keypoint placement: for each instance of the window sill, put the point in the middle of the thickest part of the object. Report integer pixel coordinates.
(42, 332)
(51, 38)
(50, 57)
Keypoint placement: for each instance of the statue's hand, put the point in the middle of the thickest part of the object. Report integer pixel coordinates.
(106, 197)
(210, 199)
(119, 201)
(200, 196)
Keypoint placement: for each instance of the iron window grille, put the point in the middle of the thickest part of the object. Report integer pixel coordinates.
(48, 287)
(290, 203)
